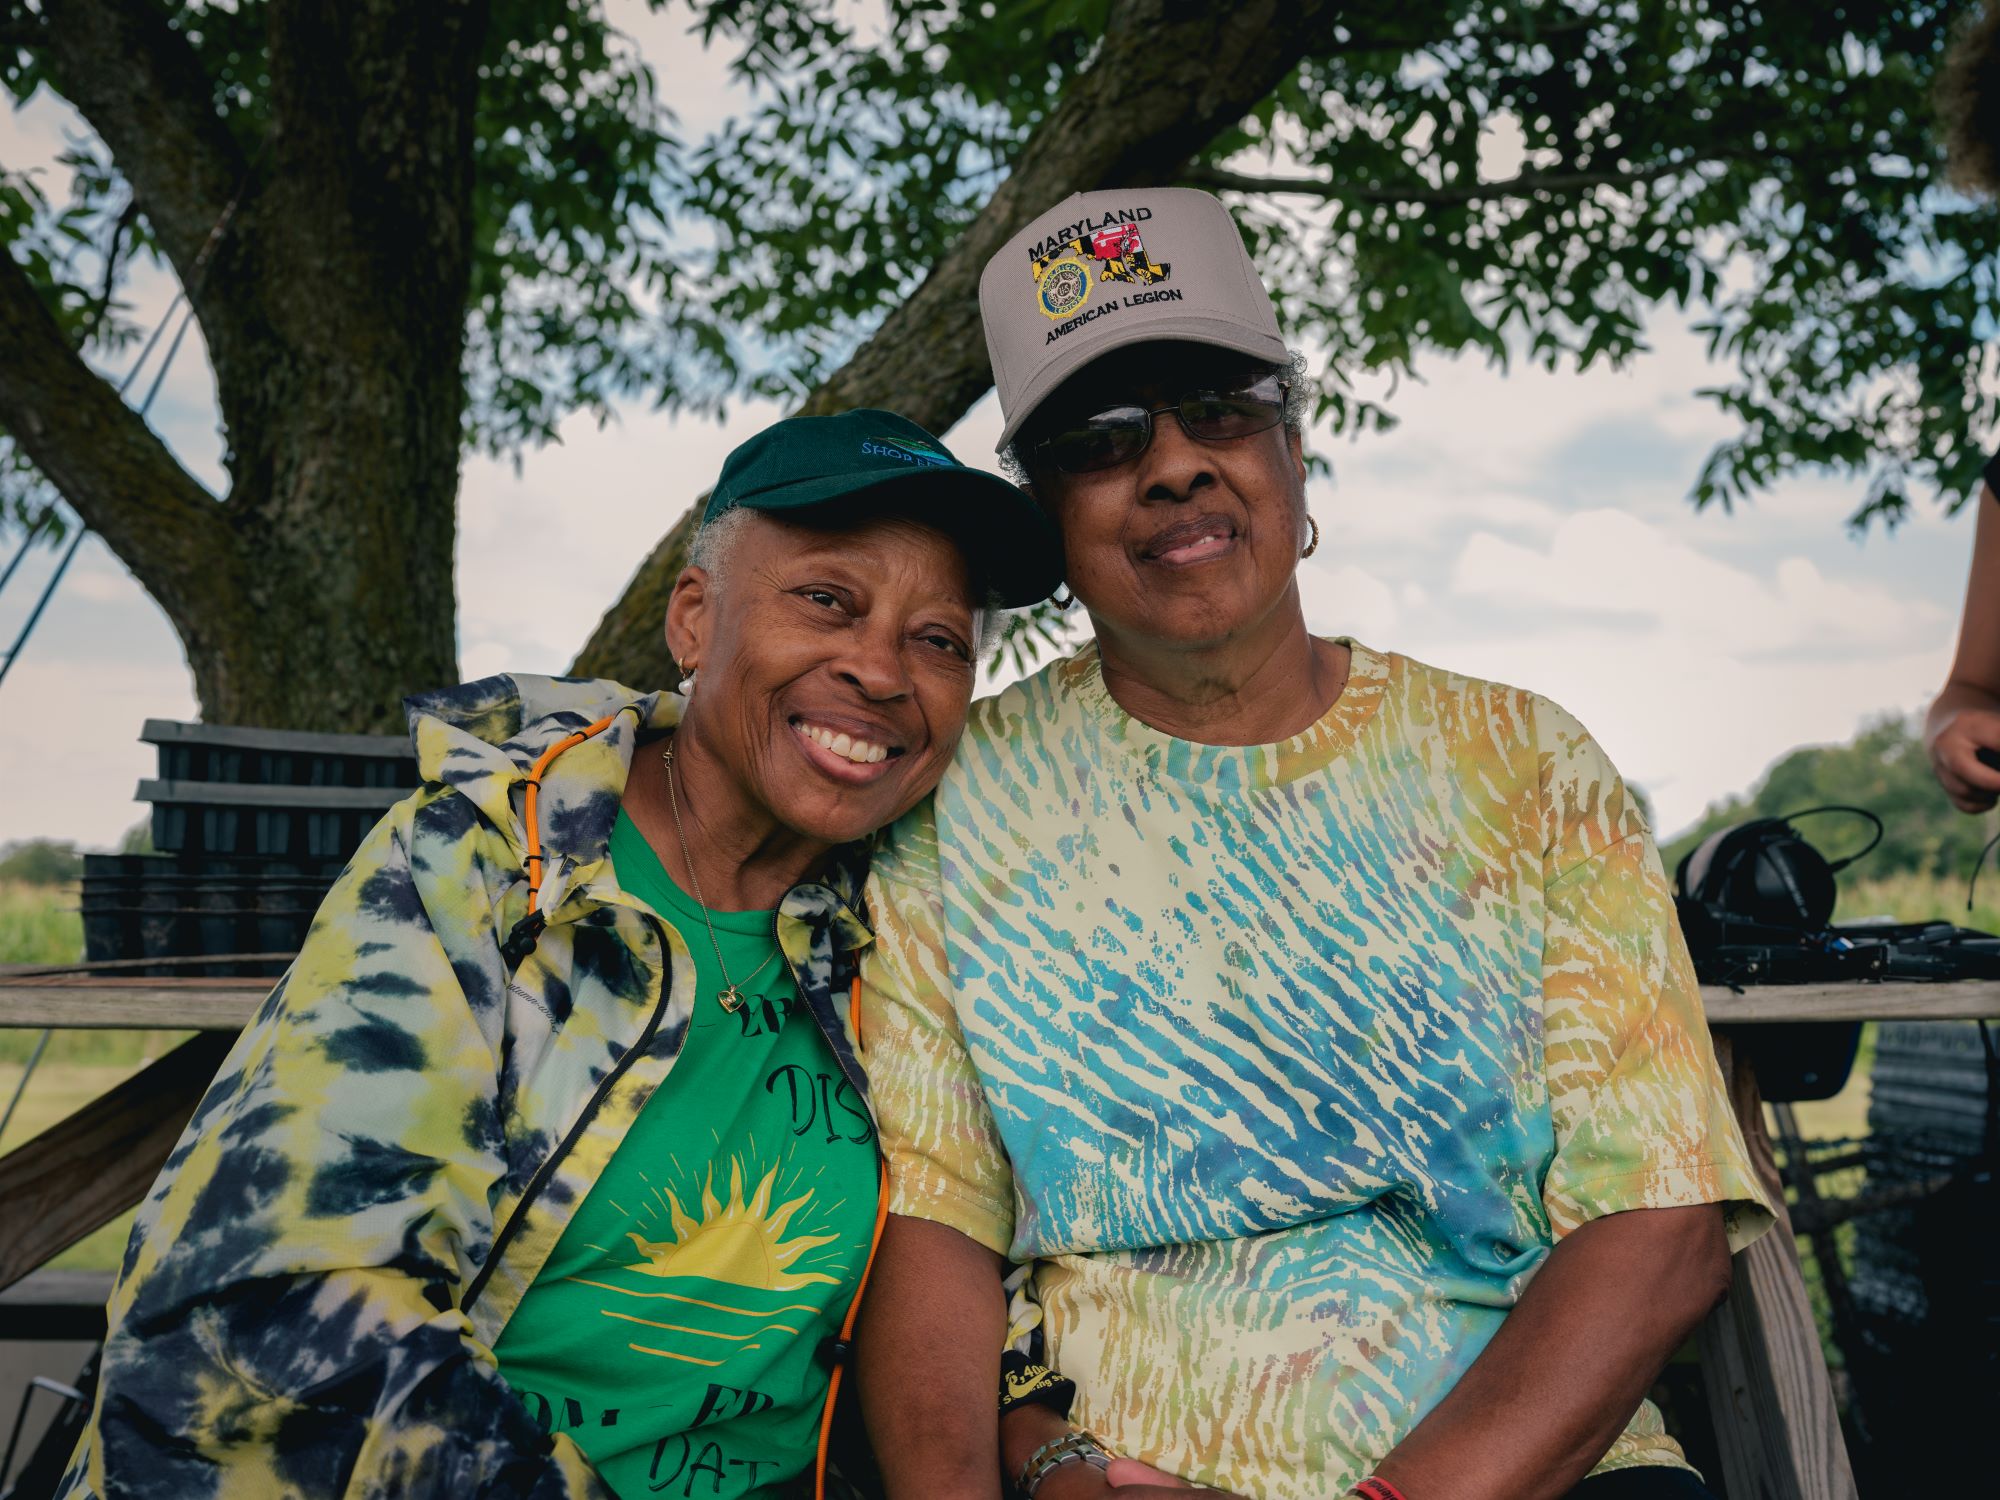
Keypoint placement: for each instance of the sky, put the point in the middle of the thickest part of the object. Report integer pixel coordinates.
(1523, 526)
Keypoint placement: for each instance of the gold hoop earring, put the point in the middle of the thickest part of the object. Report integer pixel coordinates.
(1313, 545)
(1059, 601)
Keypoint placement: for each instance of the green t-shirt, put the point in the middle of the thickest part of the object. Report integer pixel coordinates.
(674, 1332)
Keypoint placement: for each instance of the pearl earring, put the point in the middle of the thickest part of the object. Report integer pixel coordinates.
(685, 687)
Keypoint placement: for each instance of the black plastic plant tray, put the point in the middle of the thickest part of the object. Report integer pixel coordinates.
(297, 822)
(233, 755)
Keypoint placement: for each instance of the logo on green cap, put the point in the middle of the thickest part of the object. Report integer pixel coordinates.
(905, 452)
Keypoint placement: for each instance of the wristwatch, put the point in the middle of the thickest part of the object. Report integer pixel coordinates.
(1071, 1448)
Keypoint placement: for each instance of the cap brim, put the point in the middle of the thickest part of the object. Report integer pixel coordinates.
(1239, 338)
(1013, 547)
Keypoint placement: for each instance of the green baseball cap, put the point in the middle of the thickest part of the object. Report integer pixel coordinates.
(865, 463)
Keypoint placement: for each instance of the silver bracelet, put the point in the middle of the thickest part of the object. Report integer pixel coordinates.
(1072, 1447)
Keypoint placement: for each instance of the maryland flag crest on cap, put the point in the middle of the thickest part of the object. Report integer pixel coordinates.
(1100, 271)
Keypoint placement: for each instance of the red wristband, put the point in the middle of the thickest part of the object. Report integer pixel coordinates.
(1375, 1487)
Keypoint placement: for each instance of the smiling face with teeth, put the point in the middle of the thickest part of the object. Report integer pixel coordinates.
(835, 671)
(1192, 544)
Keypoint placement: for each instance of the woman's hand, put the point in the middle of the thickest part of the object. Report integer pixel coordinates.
(1963, 723)
(1965, 718)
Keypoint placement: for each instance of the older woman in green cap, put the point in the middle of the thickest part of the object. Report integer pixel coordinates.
(549, 1167)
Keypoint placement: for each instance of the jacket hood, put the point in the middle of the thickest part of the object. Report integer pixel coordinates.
(482, 738)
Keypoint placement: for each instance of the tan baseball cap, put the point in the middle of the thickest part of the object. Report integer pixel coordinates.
(1100, 271)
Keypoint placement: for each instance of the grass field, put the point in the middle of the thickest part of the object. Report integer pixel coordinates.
(40, 925)
(1917, 898)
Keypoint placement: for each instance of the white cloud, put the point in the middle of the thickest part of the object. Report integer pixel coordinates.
(1605, 561)
(1349, 600)
(70, 754)
(107, 585)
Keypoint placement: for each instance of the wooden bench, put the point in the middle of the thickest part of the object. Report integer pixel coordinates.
(1776, 1423)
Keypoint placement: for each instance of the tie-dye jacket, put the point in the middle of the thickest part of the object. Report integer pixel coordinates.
(314, 1285)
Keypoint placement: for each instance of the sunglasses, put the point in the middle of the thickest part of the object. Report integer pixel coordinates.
(1119, 434)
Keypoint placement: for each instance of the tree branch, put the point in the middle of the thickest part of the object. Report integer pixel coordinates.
(1525, 185)
(145, 92)
(1169, 77)
(107, 463)
(100, 305)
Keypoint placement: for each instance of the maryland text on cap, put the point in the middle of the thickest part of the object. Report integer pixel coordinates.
(1100, 271)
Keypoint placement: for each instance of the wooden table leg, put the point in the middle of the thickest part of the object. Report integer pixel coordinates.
(85, 1171)
(1768, 1392)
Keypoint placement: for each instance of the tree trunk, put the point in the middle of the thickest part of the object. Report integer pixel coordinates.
(1171, 75)
(330, 275)
(346, 435)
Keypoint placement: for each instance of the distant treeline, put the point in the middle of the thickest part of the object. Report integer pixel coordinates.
(1884, 769)
(59, 861)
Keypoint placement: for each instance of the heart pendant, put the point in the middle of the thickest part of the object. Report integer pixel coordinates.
(732, 999)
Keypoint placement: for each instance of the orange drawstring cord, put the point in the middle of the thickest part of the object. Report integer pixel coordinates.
(521, 941)
(854, 1307)
(534, 860)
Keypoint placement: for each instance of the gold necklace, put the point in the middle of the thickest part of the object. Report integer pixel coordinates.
(731, 997)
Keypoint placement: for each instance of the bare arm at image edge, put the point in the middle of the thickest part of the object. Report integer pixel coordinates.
(1965, 717)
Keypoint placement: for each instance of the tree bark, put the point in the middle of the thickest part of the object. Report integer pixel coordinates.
(1171, 75)
(345, 426)
(329, 269)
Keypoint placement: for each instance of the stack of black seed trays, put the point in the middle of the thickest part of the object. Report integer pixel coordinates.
(252, 826)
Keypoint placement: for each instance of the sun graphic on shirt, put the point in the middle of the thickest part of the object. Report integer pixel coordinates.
(741, 1241)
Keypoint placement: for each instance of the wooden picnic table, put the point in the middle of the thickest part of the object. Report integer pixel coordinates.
(1769, 1394)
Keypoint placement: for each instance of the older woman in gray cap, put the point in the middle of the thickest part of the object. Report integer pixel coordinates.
(1314, 1022)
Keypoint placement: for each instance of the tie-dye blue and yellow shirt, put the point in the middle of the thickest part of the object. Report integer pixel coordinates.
(1287, 1063)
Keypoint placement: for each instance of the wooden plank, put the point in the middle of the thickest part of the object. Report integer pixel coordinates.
(56, 1306)
(90, 1001)
(1776, 1423)
(85, 1171)
(112, 967)
(214, 1005)
(114, 984)
(1961, 1000)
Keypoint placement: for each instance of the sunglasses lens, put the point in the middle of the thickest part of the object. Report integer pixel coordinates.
(1230, 414)
(1118, 433)
(1108, 438)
